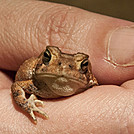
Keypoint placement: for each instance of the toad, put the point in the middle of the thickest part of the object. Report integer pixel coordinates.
(53, 74)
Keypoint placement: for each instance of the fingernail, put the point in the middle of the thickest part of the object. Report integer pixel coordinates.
(120, 49)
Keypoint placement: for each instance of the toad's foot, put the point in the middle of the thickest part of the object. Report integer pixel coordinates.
(32, 102)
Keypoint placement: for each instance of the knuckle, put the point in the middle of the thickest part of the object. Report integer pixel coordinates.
(60, 25)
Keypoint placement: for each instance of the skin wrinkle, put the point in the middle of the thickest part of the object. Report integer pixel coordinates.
(36, 29)
(122, 98)
(93, 23)
(51, 24)
(127, 116)
(116, 112)
(124, 112)
(69, 35)
(15, 121)
(78, 32)
(33, 34)
(11, 41)
(30, 28)
(69, 114)
(22, 31)
(109, 107)
(53, 20)
(97, 108)
(47, 26)
(114, 99)
(127, 124)
(128, 85)
(12, 34)
(22, 38)
(88, 28)
(4, 41)
(101, 113)
(4, 77)
(94, 100)
(9, 115)
(59, 31)
(6, 108)
(77, 37)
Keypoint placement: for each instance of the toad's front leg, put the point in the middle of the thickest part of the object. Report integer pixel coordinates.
(29, 105)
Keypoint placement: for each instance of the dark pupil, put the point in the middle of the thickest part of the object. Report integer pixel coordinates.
(84, 65)
(47, 57)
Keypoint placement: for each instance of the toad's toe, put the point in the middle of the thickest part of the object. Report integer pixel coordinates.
(32, 102)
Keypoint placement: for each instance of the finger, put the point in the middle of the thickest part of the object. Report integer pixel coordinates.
(103, 109)
(31, 25)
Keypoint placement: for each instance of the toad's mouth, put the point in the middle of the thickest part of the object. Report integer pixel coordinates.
(60, 84)
(61, 78)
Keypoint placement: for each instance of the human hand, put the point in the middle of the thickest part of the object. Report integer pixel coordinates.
(26, 27)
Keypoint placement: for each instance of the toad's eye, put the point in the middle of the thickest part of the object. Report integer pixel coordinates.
(46, 57)
(84, 65)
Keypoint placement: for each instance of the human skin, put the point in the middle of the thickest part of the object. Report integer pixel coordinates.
(26, 27)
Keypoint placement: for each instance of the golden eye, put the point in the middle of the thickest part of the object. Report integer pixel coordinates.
(84, 65)
(46, 57)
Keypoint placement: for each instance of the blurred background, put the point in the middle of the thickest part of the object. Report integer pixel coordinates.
(123, 9)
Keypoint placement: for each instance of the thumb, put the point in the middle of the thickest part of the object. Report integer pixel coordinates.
(120, 54)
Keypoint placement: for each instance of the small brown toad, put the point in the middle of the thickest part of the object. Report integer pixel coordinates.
(53, 74)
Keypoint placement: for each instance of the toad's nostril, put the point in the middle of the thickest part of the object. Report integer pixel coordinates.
(70, 66)
(59, 63)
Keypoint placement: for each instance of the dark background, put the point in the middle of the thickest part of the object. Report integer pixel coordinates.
(123, 9)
